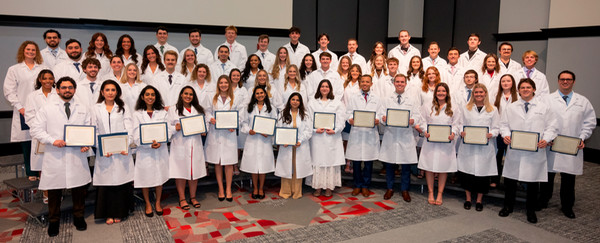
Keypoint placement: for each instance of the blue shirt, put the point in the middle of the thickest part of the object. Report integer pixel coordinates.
(569, 96)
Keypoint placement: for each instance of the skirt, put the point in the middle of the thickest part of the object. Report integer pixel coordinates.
(325, 178)
(475, 184)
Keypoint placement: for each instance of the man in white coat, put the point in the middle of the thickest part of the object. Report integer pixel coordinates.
(508, 65)
(323, 41)
(434, 59)
(296, 50)
(266, 57)
(162, 35)
(530, 58)
(53, 54)
(472, 58)
(89, 87)
(63, 167)
(169, 82)
(404, 52)
(71, 67)
(354, 56)
(452, 74)
(237, 51)
(325, 72)
(203, 55)
(222, 66)
(577, 118)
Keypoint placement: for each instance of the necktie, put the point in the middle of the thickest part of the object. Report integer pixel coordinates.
(223, 66)
(452, 69)
(68, 110)
(195, 50)
(366, 94)
(351, 56)
(399, 99)
(529, 71)
(469, 94)
(92, 86)
(170, 79)
(77, 66)
(526, 107)
(54, 52)
(565, 97)
(230, 48)
(162, 49)
(263, 55)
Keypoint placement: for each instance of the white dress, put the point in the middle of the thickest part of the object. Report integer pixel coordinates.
(221, 145)
(186, 160)
(439, 157)
(258, 155)
(283, 168)
(151, 165)
(34, 103)
(479, 160)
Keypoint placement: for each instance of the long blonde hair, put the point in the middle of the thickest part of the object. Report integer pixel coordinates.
(124, 78)
(229, 91)
(276, 69)
(298, 82)
(383, 68)
(349, 79)
(267, 85)
(486, 101)
(184, 69)
(340, 71)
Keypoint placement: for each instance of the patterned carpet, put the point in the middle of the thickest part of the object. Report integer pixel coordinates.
(488, 236)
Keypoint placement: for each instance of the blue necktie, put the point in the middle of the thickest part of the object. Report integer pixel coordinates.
(195, 50)
(92, 87)
(565, 98)
(526, 107)
(223, 66)
(468, 94)
(77, 66)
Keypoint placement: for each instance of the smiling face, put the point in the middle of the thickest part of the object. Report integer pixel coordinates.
(404, 37)
(187, 96)
(433, 50)
(30, 51)
(490, 63)
(170, 61)
(294, 37)
(473, 42)
(262, 78)
(392, 66)
(345, 64)
(526, 91)
(235, 77)
(149, 97)
(294, 102)
(223, 85)
(441, 94)
(431, 76)
(470, 79)
(47, 80)
(132, 72)
(259, 95)
(379, 49)
(415, 63)
(263, 44)
(506, 83)
(352, 46)
(201, 73)
(505, 51)
(400, 84)
(109, 92)
(230, 35)
(323, 42)
(195, 38)
(254, 61)
(325, 62)
(52, 40)
(116, 64)
(99, 43)
(529, 61)
(91, 70)
(324, 89)
(282, 54)
(162, 36)
(190, 57)
(126, 44)
(479, 95)
(365, 83)
(453, 56)
(73, 51)
(223, 54)
(66, 90)
(379, 60)
(292, 72)
(151, 55)
(354, 73)
(565, 83)
(308, 62)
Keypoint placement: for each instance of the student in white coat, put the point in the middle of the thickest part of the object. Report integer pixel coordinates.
(398, 146)
(89, 87)
(292, 84)
(415, 72)
(151, 64)
(508, 65)
(63, 167)
(326, 146)
(152, 160)
(489, 73)
(201, 81)
(355, 58)
(116, 67)
(453, 73)
(241, 93)
(221, 144)
(404, 51)
(169, 82)
(294, 162)
(472, 58)
(18, 84)
(344, 67)
(222, 65)
(186, 158)
(266, 57)
(507, 94)
(126, 50)
(434, 59)
(113, 173)
(258, 158)
(476, 163)
(325, 72)
(72, 66)
(307, 67)
(438, 157)
(379, 73)
(98, 48)
(577, 118)
(462, 93)
(296, 50)
(131, 84)
(378, 49)
(530, 58)
(187, 64)
(162, 35)
(351, 88)
(53, 54)
(237, 51)
(280, 65)
(253, 64)
(262, 78)
(203, 55)
(529, 114)
(323, 41)
(363, 142)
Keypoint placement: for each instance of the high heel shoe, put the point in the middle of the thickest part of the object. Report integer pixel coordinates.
(221, 198)
(229, 199)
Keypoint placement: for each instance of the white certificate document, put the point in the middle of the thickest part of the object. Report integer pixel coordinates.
(153, 131)
(397, 118)
(566, 145)
(439, 133)
(113, 143)
(264, 125)
(40, 147)
(192, 125)
(324, 120)
(364, 118)
(526, 141)
(226, 120)
(286, 136)
(80, 136)
(476, 135)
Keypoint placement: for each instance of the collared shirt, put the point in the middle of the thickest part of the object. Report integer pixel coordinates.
(569, 96)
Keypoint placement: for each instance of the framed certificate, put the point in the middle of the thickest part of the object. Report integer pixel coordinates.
(40, 147)
(476, 135)
(397, 118)
(324, 120)
(226, 120)
(522, 140)
(439, 133)
(364, 118)
(264, 125)
(113, 143)
(566, 145)
(286, 136)
(153, 131)
(80, 136)
(192, 125)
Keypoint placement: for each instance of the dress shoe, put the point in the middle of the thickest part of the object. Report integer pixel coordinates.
(531, 217)
(254, 196)
(505, 212)
(406, 196)
(365, 192)
(355, 192)
(159, 213)
(479, 207)
(149, 215)
(221, 199)
(467, 205)
(53, 229)
(80, 224)
(259, 197)
(568, 213)
(388, 194)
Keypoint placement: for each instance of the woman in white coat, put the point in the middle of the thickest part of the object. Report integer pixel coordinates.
(18, 84)
(201, 81)
(253, 64)
(186, 160)
(221, 144)
(151, 64)
(529, 114)
(507, 93)
(439, 157)
(476, 163)
(351, 88)
(326, 146)
(239, 91)
(188, 64)
(258, 158)
(152, 160)
(126, 50)
(292, 84)
(279, 66)
(113, 173)
(131, 85)
(490, 72)
(294, 162)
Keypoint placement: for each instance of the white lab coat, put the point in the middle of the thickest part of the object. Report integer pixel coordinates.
(578, 119)
(404, 58)
(490, 82)
(216, 70)
(148, 76)
(50, 60)
(398, 145)
(104, 68)
(454, 80)
(350, 91)
(479, 160)
(439, 157)
(258, 155)
(186, 160)
(85, 93)
(66, 68)
(221, 145)
(513, 68)
(34, 103)
(165, 49)
(206, 92)
(357, 59)
(286, 92)
(541, 83)
(474, 62)
(18, 84)
(334, 58)
(242, 94)
(297, 56)
(66, 167)
(328, 150)
(313, 80)
(383, 85)
(117, 169)
(203, 54)
(266, 61)
(169, 92)
(363, 142)
(129, 59)
(131, 93)
(249, 82)
(439, 63)
(524, 165)
(237, 53)
(151, 165)
(274, 98)
(283, 168)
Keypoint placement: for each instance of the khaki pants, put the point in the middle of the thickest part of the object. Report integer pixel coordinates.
(291, 187)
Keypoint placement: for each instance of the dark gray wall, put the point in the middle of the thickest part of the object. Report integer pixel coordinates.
(305, 18)
(438, 25)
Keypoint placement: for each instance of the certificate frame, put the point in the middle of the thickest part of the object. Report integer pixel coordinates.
(271, 132)
(153, 124)
(362, 122)
(67, 131)
(321, 114)
(440, 127)
(567, 139)
(186, 119)
(102, 139)
(525, 133)
(387, 114)
(237, 120)
(467, 140)
(287, 130)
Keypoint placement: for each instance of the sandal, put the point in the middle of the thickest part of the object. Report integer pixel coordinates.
(32, 178)
(110, 221)
(186, 207)
(117, 220)
(431, 200)
(196, 204)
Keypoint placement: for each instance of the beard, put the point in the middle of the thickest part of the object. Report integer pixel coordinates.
(74, 57)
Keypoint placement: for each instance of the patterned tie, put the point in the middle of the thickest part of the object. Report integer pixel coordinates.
(529, 71)
(77, 66)
(565, 97)
(452, 69)
(68, 110)
(468, 94)
(162, 49)
(54, 52)
(170, 79)
(526, 107)
(196, 50)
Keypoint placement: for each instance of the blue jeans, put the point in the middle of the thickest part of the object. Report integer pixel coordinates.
(390, 173)
(362, 177)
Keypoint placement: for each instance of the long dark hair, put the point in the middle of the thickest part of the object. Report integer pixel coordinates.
(145, 60)
(91, 51)
(286, 114)
(248, 68)
(195, 103)
(303, 67)
(118, 99)
(132, 51)
(140, 104)
(513, 92)
(254, 101)
(38, 83)
(318, 94)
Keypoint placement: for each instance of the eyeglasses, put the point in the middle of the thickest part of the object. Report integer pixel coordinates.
(67, 87)
(565, 80)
